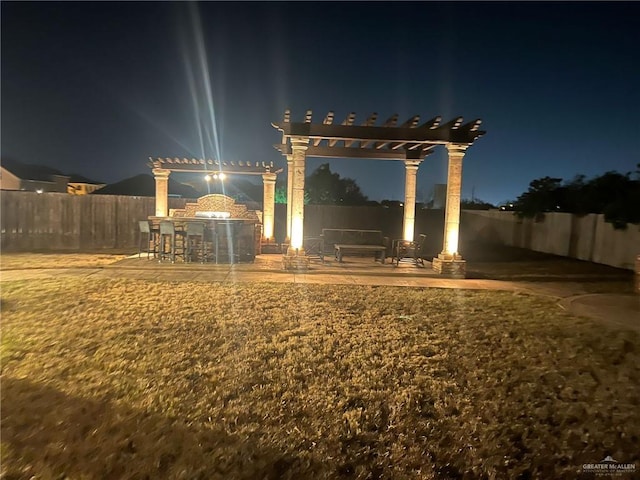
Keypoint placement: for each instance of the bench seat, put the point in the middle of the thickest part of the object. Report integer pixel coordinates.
(340, 242)
(346, 249)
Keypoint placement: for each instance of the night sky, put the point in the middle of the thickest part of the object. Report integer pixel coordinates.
(95, 88)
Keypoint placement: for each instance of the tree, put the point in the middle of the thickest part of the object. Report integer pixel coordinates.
(543, 196)
(613, 194)
(281, 195)
(327, 188)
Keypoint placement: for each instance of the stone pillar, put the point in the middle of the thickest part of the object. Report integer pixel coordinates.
(449, 261)
(411, 173)
(295, 257)
(268, 205)
(289, 195)
(162, 191)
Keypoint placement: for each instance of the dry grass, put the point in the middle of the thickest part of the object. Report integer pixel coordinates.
(134, 379)
(13, 261)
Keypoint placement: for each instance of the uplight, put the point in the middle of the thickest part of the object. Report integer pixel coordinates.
(452, 242)
(296, 232)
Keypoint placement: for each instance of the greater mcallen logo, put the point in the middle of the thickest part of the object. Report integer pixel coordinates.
(608, 466)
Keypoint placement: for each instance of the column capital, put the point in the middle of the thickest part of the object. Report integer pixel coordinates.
(300, 143)
(161, 172)
(457, 149)
(412, 164)
(269, 177)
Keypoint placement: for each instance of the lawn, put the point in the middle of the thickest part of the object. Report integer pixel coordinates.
(13, 261)
(119, 379)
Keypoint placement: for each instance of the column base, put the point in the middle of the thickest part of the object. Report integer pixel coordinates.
(295, 259)
(450, 265)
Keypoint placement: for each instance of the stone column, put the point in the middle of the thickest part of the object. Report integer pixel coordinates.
(299, 147)
(295, 257)
(162, 191)
(268, 205)
(449, 261)
(289, 195)
(408, 224)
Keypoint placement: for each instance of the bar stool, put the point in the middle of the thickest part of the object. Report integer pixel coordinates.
(195, 242)
(176, 239)
(153, 234)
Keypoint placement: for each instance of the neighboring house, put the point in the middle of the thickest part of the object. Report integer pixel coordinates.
(39, 178)
(79, 185)
(35, 178)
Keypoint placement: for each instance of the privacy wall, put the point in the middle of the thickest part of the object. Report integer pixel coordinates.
(33, 222)
(586, 237)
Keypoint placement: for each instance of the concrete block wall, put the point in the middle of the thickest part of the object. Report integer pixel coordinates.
(587, 237)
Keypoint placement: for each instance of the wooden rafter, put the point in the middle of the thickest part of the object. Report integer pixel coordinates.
(369, 122)
(387, 141)
(431, 124)
(347, 122)
(199, 165)
(328, 120)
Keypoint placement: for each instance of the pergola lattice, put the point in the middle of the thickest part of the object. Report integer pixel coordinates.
(199, 165)
(410, 142)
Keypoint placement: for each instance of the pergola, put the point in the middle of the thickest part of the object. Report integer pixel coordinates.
(409, 142)
(162, 168)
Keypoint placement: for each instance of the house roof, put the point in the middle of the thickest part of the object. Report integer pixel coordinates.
(75, 178)
(25, 171)
(145, 186)
(41, 173)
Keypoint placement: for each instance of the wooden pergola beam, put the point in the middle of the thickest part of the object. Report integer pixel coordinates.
(334, 133)
(206, 166)
(354, 152)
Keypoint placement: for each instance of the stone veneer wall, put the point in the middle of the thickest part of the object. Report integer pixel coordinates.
(216, 202)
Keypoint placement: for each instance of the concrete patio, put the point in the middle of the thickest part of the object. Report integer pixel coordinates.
(584, 288)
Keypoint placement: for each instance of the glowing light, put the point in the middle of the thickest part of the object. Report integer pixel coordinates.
(216, 176)
(199, 78)
(268, 227)
(207, 214)
(207, 178)
(39, 190)
(408, 229)
(452, 241)
(296, 232)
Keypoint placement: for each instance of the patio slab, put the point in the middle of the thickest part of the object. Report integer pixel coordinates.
(570, 282)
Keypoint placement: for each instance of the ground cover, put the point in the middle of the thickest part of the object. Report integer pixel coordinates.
(139, 379)
(13, 261)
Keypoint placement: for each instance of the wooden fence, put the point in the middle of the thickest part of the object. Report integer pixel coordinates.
(32, 222)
